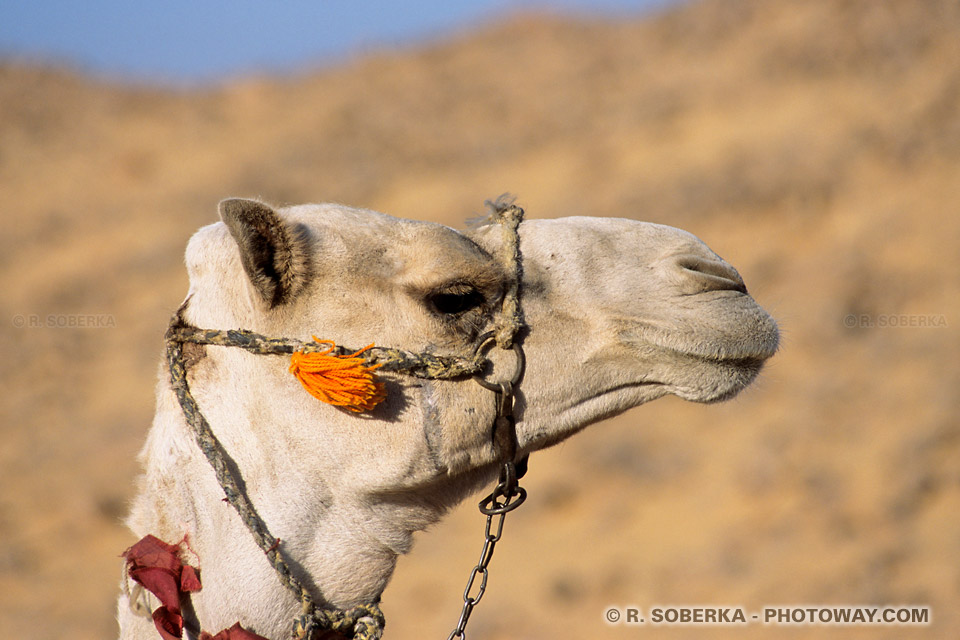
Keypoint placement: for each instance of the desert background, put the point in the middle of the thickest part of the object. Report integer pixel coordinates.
(815, 145)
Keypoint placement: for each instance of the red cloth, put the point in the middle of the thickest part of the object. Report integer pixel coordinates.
(236, 632)
(157, 566)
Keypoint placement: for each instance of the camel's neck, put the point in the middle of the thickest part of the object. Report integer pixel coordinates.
(343, 549)
(339, 548)
(342, 504)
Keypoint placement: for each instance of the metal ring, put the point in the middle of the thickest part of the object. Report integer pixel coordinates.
(485, 340)
(490, 507)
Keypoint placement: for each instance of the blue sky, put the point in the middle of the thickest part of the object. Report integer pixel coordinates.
(190, 41)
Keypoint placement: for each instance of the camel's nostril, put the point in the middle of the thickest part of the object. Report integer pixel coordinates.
(706, 274)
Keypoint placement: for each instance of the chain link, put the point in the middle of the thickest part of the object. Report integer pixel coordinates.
(505, 497)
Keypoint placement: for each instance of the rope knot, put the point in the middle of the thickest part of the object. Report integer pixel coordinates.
(345, 381)
(509, 216)
(363, 622)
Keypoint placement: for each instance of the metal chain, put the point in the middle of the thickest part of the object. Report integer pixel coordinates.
(505, 497)
(508, 494)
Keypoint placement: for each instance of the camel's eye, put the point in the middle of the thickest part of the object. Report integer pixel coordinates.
(456, 299)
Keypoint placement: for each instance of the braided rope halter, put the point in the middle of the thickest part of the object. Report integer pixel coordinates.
(366, 622)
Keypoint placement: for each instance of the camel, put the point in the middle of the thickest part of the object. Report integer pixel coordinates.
(615, 313)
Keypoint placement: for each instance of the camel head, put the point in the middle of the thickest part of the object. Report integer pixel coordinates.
(616, 313)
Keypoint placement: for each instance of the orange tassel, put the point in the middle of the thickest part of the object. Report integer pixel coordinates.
(344, 381)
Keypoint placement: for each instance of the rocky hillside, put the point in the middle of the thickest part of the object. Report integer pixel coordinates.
(815, 145)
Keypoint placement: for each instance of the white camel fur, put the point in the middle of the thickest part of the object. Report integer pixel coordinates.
(617, 313)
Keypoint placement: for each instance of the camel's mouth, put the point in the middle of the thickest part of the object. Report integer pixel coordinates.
(705, 357)
(733, 330)
(739, 356)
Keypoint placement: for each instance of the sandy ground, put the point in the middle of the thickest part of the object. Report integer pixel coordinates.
(814, 145)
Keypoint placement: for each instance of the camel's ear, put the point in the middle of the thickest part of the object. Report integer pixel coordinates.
(275, 256)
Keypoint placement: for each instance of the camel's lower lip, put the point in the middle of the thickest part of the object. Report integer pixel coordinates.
(719, 379)
(707, 378)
